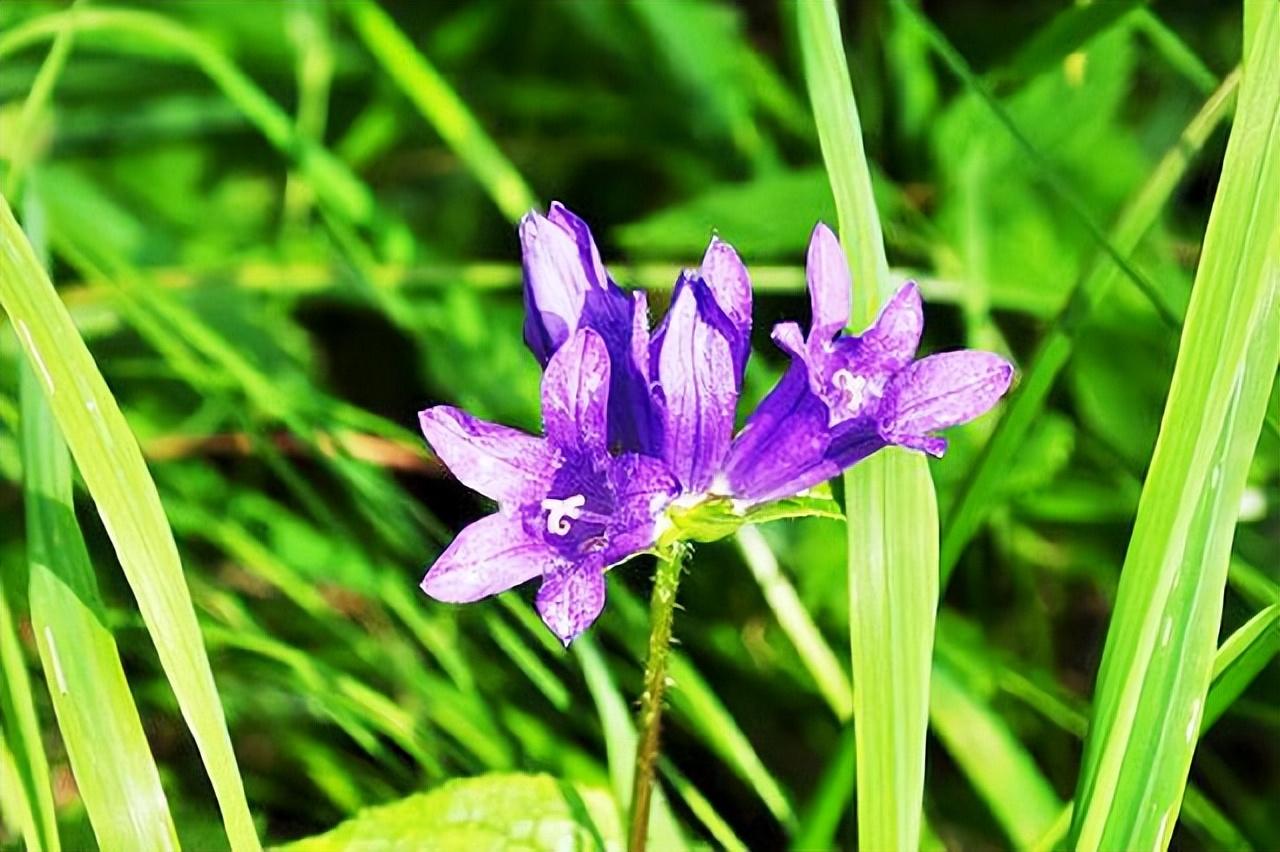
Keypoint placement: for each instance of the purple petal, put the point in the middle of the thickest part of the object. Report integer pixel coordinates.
(575, 393)
(727, 277)
(634, 424)
(489, 556)
(940, 391)
(830, 287)
(643, 487)
(501, 463)
(571, 598)
(696, 373)
(782, 447)
(790, 339)
(555, 284)
(891, 342)
(588, 254)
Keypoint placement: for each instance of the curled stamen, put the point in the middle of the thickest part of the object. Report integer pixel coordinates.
(560, 512)
(853, 389)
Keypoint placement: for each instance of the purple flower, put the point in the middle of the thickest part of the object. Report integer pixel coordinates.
(672, 396)
(566, 287)
(567, 508)
(846, 396)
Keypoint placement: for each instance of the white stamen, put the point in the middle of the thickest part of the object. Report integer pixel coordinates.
(853, 387)
(560, 512)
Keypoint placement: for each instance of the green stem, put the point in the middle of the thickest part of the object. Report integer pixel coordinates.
(661, 611)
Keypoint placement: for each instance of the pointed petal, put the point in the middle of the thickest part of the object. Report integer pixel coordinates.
(571, 598)
(790, 339)
(830, 287)
(891, 342)
(502, 463)
(727, 277)
(575, 394)
(643, 487)
(489, 556)
(555, 284)
(696, 373)
(588, 254)
(940, 391)
(782, 443)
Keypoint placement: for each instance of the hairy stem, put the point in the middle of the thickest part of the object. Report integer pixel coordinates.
(661, 611)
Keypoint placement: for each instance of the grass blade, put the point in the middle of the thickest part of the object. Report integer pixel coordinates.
(1160, 648)
(111, 464)
(114, 770)
(441, 107)
(889, 498)
(815, 653)
(29, 789)
(1240, 659)
(116, 775)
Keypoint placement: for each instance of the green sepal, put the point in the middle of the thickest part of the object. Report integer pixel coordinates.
(716, 517)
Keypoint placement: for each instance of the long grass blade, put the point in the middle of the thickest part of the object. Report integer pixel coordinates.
(1158, 660)
(889, 498)
(815, 653)
(114, 770)
(111, 464)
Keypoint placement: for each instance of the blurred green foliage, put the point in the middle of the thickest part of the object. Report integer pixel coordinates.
(277, 257)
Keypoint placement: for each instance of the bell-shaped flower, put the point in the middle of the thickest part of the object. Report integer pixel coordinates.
(567, 508)
(566, 287)
(846, 396)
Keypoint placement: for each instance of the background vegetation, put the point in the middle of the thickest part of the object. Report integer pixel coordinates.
(284, 228)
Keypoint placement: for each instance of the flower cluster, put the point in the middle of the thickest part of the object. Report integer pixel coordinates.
(638, 421)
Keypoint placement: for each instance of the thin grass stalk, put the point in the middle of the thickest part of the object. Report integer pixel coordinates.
(889, 498)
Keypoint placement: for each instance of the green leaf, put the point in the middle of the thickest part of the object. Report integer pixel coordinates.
(1158, 660)
(716, 517)
(498, 811)
(889, 498)
(111, 464)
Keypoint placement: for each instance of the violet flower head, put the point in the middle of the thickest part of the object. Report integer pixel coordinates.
(566, 287)
(846, 396)
(567, 508)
